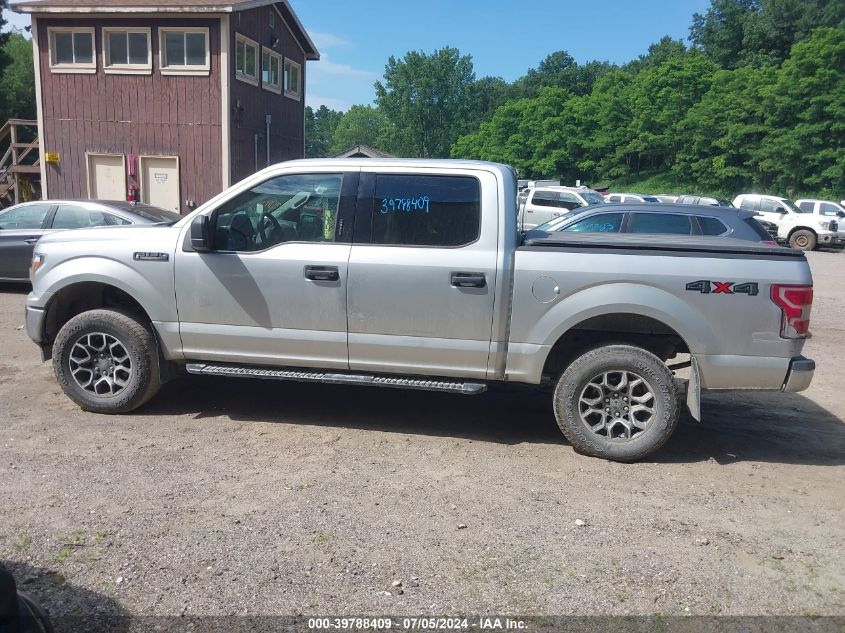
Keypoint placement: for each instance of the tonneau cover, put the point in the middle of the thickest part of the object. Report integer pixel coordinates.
(668, 243)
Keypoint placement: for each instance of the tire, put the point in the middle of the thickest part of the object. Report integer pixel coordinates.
(636, 433)
(123, 376)
(803, 240)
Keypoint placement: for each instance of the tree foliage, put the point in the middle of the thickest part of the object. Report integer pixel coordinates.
(361, 125)
(320, 126)
(427, 101)
(17, 99)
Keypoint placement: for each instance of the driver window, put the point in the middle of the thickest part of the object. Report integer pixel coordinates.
(295, 208)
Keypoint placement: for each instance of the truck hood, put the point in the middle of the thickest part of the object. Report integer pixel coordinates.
(103, 233)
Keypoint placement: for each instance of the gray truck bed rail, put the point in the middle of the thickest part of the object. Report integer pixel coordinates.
(677, 245)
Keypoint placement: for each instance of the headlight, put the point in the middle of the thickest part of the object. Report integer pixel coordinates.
(37, 262)
(825, 225)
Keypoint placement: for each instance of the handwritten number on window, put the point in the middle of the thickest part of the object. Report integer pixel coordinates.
(405, 205)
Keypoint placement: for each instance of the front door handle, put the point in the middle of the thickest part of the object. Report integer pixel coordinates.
(322, 273)
(31, 240)
(469, 280)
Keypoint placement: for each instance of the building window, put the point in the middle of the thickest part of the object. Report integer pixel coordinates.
(246, 59)
(184, 51)
(271, 70)
(72, 50)
(127, 51)
(272, 18)
(293, 79)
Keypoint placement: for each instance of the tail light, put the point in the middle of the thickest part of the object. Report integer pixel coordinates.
(768, 242)
(795, 302)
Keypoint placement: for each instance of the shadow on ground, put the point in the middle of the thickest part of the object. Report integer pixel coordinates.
(764, 427)
(71, 609)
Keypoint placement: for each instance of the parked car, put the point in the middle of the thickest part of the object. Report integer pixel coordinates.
(705, 200)
(668, 219)
(667, 198)
(22, 225)
(630, 197)
(546, 203)
(435, 290)
(800, 229)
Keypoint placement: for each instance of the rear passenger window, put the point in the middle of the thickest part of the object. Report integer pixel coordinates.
(807, 207)
(669, 223)
(601, 223)
(711, 226)
(749, 203)
(426, 210)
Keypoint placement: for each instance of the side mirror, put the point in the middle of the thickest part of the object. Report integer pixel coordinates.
(201, 234)
(780, 210)
(841, 214)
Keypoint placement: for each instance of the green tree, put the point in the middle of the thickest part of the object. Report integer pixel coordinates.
(560, 70)
(805, 148)
(320, 126)
(426, 99)
(723, 132)
(361, 125)
(17, 100)
(736, 33)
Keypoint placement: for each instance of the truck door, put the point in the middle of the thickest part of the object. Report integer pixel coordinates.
(273, 289)
(422, 272)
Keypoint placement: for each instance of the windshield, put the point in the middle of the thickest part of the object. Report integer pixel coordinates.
(154, 214)
(556, 223)
(792, 206)
(593, 198)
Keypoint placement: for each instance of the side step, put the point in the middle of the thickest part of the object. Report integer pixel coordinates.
(424, 384)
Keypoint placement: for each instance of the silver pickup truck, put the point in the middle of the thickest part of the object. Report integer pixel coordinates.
(412, 274)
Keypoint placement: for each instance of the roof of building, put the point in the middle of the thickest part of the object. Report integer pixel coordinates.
(170, 6)
(364, 151)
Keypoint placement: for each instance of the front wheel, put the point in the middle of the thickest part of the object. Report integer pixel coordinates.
(106, 361)
(803, 240)
(618, 402)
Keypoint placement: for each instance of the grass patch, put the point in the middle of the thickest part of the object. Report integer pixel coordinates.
(22, 542)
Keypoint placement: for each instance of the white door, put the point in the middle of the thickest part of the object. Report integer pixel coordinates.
(106, 177)
(160, 182)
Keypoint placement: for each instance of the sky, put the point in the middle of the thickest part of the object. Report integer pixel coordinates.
(504, 37)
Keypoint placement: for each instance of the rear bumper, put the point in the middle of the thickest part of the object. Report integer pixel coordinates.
(800, 374)
(725, 372)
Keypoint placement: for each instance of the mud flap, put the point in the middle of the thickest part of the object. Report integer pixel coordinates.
(694, 391)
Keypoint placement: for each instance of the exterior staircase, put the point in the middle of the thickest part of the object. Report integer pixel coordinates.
(20, 164)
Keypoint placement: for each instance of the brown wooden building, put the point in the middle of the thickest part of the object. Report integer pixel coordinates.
(177, 100)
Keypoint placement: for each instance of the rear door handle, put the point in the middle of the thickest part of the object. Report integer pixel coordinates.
(322, 273)
(469, 280)
(31, 240)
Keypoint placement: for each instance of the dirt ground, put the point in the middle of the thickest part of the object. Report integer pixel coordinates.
(240, 497)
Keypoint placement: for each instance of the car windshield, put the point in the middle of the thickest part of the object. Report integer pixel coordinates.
(593, 198)
(555, 224)
(145, 211)
(792, 206)
(154, 214)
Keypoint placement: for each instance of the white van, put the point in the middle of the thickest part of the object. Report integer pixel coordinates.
(800, 229)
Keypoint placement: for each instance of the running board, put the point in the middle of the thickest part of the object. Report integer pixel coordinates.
(424, 384)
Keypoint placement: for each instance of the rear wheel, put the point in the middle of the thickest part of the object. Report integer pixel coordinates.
(803, 240)
(618, 402)
(106, 361)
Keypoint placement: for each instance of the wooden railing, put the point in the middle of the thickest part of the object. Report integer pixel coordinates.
(20, 165)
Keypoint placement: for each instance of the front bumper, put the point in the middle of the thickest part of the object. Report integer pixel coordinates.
(35, 323)
(830, 239)
(800, 374)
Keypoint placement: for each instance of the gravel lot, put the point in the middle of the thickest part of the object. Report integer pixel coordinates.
(240, 497)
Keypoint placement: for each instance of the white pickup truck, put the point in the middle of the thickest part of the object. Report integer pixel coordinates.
(412, 274)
